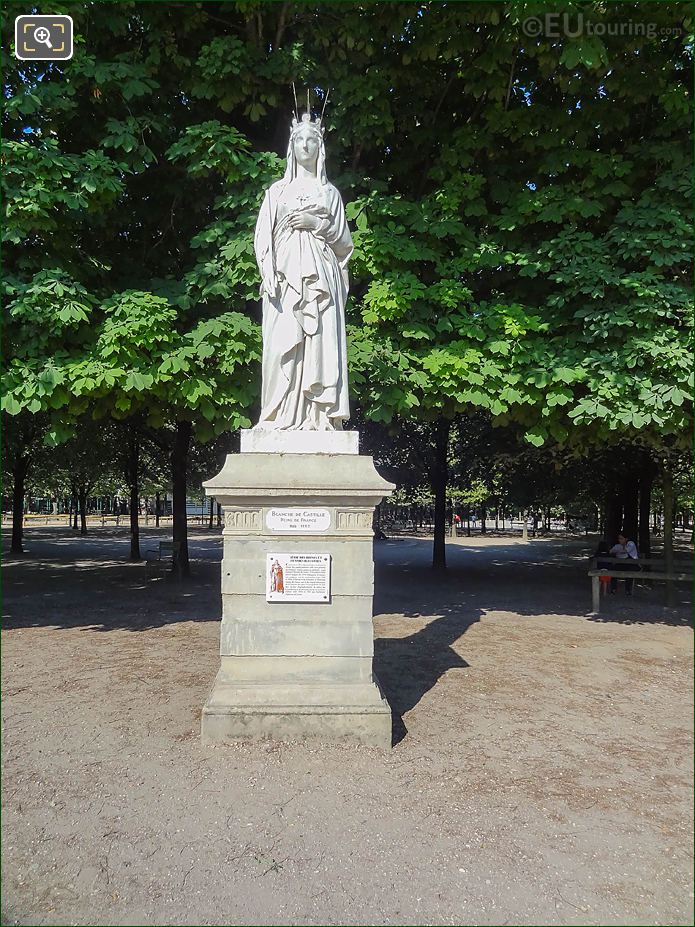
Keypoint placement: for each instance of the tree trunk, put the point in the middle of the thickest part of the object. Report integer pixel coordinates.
(82, 499)
(668, 530)
(439, 484)
(74, 505)
(156, 510)
(19, 473)
(133, 473)
(630, 492)
(134, 522)
(179, 466)
(645, 503)
(614, 518)
(483, 520)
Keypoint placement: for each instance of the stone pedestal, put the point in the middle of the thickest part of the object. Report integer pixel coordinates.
(297, 669)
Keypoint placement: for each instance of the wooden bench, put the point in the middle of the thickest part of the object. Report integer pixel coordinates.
(167, 552)
(682, 573)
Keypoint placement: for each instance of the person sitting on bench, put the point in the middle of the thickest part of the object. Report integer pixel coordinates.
(626, 552)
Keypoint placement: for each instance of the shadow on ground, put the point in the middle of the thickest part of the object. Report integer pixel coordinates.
(66, 581)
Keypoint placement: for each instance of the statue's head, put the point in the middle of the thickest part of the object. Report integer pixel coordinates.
(306, 140)
(306, 147)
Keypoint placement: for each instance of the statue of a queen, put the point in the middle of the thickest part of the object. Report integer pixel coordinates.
(302, 246)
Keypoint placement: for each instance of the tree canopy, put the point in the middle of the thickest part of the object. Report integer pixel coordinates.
(520, 208)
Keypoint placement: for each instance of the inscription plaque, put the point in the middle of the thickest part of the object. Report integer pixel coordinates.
(298, 577)
(298, 521)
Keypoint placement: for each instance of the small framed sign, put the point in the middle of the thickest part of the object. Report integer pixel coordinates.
(298, 578)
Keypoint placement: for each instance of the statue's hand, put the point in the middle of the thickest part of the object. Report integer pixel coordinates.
(304, 222)
(270, 287)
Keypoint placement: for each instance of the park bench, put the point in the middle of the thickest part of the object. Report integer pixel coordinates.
(681, 573)
(167, 552)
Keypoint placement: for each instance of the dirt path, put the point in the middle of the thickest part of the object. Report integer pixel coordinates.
(542, 772)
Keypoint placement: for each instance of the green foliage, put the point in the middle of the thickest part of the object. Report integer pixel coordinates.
(109, 314)
(535, 264)
(475, 495)
(44, 188)
(519, 207)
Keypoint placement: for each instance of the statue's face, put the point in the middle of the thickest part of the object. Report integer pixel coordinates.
(306, 148)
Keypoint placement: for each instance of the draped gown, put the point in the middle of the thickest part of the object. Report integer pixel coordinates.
(305, 381)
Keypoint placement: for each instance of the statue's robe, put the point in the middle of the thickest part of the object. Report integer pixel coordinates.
(305, 286)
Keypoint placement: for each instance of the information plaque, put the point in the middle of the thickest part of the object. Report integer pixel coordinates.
(298, 521)
(298, 577)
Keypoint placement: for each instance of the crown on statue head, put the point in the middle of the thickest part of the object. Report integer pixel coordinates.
(306, 120)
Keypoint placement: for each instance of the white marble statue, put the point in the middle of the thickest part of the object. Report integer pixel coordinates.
(303, 245)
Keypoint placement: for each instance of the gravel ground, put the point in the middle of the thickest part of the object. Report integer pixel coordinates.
(541, 772)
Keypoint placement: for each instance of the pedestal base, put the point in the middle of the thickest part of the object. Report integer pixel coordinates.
(328, 712)
(296, 640)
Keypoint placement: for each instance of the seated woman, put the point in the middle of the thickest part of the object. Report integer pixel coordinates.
(627, 555)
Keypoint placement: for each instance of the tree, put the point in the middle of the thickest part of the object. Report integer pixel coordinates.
(83, 212)
(522, 228)
(83, 462)
(539, 270)
(22, 441)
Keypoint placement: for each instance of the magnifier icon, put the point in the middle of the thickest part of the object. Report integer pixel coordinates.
(42, 35)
